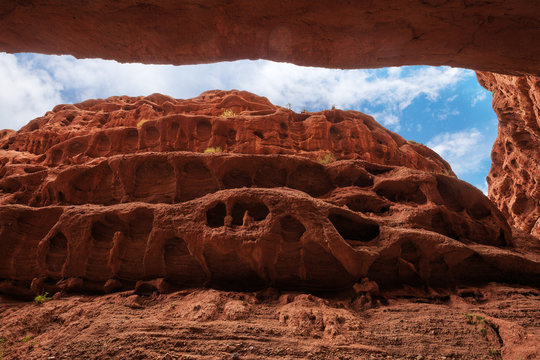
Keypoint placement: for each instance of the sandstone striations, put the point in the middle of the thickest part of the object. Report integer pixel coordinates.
(513, 177)
(114, 194)
(484, 35)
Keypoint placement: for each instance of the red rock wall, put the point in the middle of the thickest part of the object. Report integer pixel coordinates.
(75, 134)
(93, 201)
(515, 171)
(496, 35)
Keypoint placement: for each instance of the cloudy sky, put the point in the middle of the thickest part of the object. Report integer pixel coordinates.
(444, 108)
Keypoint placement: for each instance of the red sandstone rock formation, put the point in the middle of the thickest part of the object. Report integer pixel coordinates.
(213, 324)
(484, 35)
(111, 194)
(515, 171)
(75, 134)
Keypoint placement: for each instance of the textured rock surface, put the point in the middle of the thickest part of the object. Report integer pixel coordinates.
(209, 324)
(515, 171)
(75, 134)
(491, 35)
(115, 194)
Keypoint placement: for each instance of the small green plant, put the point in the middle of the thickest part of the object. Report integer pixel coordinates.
(140, 123)
(100, 112)
(326, 159)
(495, 354)
(227, 114)
(212, 150)
(26, 338)
(304, 111)
(2, 354)
(40, 299)
(480, 319)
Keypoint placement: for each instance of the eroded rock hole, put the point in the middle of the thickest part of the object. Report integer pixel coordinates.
(196, 169)
(335, 134)
(354, 230)
(401, 192)
(501, 240)
(204, 130)
(77, 147)
(475, 270)
(323, 270)
(291, 229)
(181, 267)
(363, 181)
(141, 223)
(56, 256)
(56, 156)
(311, 179)
(152, 134)
(131, 139)
(215, 216)
(236, 179)
(449, 194)
(283, 131)
(520, 204)
(103, 144)
(376, 169)
(368, 204)
(480, 210)
(197, 181)
(410, 252)
(155, 181)
(131, 248)
(269, 177)
(97, 265)
(257, 211)
(231, 271)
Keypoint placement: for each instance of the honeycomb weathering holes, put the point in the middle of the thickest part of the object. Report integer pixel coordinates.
(215, 216)
(354, 229)
(291, 228)
(256, 210)
(56, 255)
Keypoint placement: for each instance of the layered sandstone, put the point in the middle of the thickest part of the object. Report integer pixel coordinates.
(515, 170)
(118, 193)
(216, 324)
(483, 35)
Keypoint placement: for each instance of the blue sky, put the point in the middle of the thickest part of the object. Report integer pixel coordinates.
(442, 107)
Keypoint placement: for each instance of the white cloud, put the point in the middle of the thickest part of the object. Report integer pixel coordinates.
(481, 95)
(467, 151)
(387, 119)
(36, 83)
(483, 187)
(25, 93)
(447, 112)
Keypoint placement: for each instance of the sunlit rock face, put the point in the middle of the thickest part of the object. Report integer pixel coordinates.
(515, 171)
(483, 35)
(230, 191)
